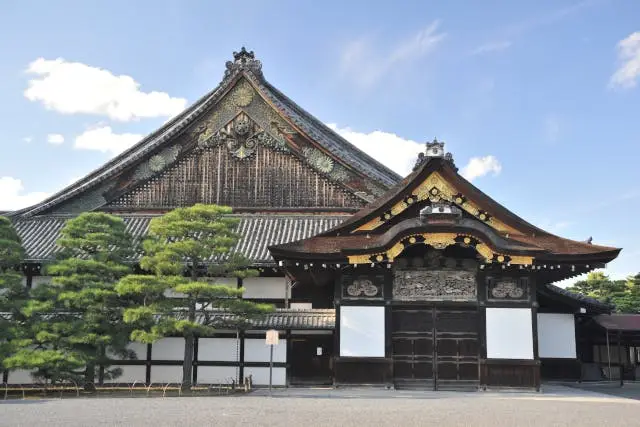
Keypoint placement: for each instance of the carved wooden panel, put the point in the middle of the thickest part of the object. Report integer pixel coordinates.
(508, 288)
(215, 175)
(434, 285)
(362, 286)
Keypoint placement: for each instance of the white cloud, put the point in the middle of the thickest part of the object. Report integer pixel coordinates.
(400, 154)
(103, 139)
(27, 139)
(13, 197)
(628, 71)
(481, 166)
(365, 64)
(55, 138)
(492, 47)
(73, 87)
(395, 152)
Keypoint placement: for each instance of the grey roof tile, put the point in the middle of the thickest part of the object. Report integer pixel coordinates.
(258, 231)
(283, 318)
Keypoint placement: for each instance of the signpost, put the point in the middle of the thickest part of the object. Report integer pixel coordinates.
(272, 338)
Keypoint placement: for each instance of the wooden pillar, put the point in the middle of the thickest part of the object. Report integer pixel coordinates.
(148, 365)
(337, 298)
(241, 338)
(620, 362)
(194, 373)
(287, 336)
(534, 331)
(29, 275)
(387, 293)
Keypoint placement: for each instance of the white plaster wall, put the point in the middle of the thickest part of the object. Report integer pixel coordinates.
(362, 331)
(255, 350)
(261, 375)
(509, 333)
(217, 374)
(168, 349)
(130, 374)
(39, 280)
(301, 305)
(166, 374)
(137, 347)
(265, 287)
(557, 335)
(20, 376)
(218, 349)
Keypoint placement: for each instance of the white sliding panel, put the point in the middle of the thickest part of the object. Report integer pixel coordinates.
(218, 349)
(168, 349)
(138, 348)
(255, 350)
(265, 287)
(509, 333)
(130, 374)
(362, 331)
(217, 374)
(260, 376)
(557, 335)
(20, 376)
(166, 374)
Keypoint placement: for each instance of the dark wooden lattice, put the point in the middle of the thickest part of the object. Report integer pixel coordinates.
(267, 179)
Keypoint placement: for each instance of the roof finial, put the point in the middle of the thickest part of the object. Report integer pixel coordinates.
(434, 149)
(245, 60)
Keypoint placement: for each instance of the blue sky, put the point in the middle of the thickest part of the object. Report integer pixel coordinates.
(537, 102)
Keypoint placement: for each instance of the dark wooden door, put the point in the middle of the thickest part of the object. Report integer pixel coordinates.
(413, 347)
(456, 348)
(310, 360)
(435, 348)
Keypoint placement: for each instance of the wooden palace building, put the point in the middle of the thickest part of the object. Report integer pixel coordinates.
(423, 281)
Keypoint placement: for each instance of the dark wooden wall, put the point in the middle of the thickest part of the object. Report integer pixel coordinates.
(266, 179)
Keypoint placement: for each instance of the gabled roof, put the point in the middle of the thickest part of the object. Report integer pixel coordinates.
(257, 231)
(382, 227)
(92, 188)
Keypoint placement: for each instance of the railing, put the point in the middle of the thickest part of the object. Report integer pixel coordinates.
(135, 389)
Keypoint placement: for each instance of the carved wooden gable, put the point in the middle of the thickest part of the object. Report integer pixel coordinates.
(242, 154)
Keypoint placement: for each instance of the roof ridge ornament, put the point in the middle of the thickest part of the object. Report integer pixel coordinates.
(243, 61)
(433, 149)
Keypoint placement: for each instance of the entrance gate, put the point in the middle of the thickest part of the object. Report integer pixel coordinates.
(435, 348)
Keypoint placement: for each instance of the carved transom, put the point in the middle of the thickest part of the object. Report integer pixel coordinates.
(508, 288)
(434, 285)
(362, 287)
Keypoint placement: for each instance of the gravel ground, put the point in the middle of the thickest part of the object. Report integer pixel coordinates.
(312, 407)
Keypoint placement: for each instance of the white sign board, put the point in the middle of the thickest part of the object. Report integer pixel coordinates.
(272, 337)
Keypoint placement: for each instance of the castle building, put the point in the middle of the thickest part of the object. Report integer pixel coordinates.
(423, 281)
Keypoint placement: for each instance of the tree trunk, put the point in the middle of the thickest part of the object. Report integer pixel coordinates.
(187, 365)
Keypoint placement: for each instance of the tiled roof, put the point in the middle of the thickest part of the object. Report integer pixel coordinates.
(619, 322)
(330, 140)
(281, 318)
(242, 66)
(527, 234)
(286, 318)
(258, 231)
(583, 299)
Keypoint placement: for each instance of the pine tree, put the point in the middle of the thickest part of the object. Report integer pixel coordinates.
(183, 249)
(76, 321)
(13, 293)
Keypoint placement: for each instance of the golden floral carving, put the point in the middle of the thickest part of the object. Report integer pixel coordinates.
(436, 188)
(439, 241)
